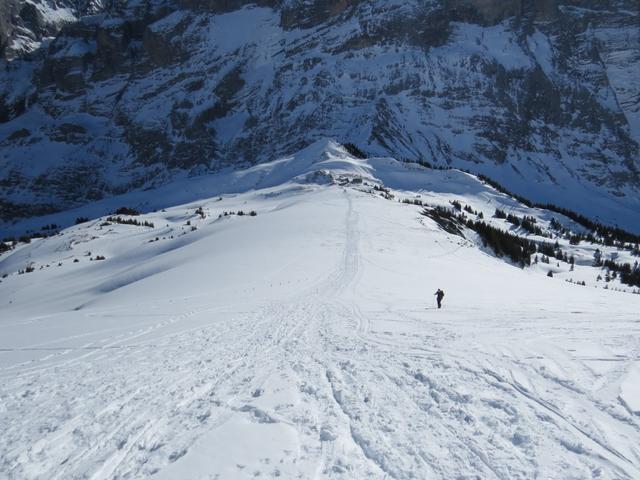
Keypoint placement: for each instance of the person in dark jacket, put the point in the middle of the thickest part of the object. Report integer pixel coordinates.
(439, 296)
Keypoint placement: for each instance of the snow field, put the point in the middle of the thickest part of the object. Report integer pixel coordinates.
(304, 342)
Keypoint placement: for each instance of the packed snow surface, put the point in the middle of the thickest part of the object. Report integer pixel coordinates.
(304, 342)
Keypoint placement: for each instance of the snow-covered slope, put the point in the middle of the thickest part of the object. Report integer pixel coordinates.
(540, 96)
(303, 342)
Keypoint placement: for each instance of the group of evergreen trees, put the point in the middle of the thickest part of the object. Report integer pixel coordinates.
(602, 235)
(596, 237)
(415, 201)
(445, 218)
(504, 244)
(518, 249)
(628, 274)
(127, 221)
(528, 223)
(608, 235)
(240, 213)
(127, 211)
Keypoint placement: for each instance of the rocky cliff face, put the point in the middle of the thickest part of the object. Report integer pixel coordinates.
(26, 24)
(542, 96)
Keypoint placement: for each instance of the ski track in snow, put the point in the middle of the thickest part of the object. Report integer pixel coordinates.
(326, 383)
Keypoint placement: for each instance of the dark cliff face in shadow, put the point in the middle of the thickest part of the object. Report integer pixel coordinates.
(8, 10)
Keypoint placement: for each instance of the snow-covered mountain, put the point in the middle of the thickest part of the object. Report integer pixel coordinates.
(542, 97)
(26, 24)
(194, 342)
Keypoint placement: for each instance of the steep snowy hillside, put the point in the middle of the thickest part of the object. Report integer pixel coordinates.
(539, 96)
(303, 341)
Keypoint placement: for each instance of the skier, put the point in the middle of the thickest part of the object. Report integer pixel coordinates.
(439, 296)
